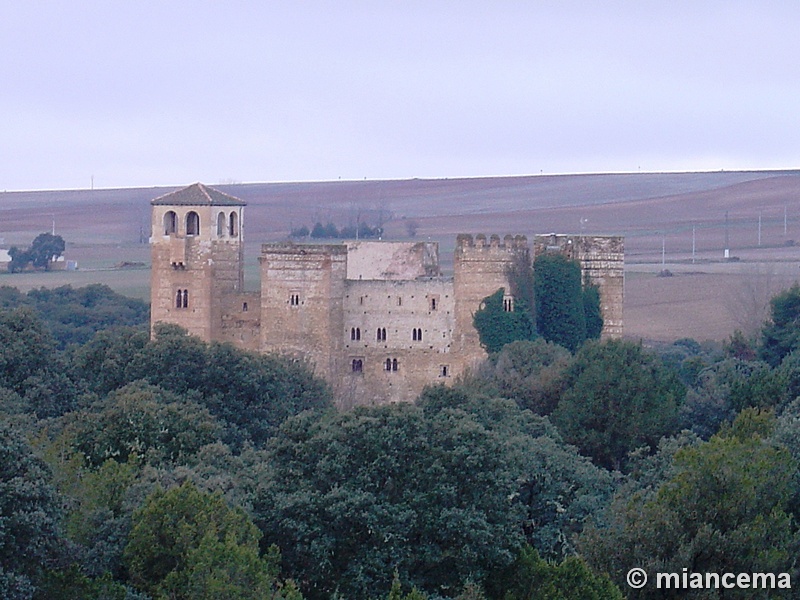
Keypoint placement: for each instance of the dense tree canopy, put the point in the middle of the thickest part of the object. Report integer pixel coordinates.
(781, 334)
(560, 311)
(725, 507)
(175, 449)
(29, 512)
(498, 326)
(617, 397)
(189, 545)
(441, 492)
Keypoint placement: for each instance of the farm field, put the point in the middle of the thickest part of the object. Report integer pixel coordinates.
(662, 216)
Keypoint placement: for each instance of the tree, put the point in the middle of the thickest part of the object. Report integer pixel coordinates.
(560, 308)
(726, 507)
(46, 248)
(528, 371)
(31, 367)
(355, 496)
(20, 259)
(592, 312)
(533, 578)
(616, 398)
(251, 393)
(29, 513)
(141, 420)
(498, 326)
(781, 334)
(444, 492)
(187, 544)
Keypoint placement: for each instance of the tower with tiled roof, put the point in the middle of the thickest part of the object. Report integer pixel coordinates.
(197, 258)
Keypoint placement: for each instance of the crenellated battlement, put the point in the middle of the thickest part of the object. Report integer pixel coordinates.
(480, 241)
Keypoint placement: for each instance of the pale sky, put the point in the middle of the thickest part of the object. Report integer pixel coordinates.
(141, 93)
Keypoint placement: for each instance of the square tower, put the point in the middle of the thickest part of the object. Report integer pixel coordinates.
(197, 258)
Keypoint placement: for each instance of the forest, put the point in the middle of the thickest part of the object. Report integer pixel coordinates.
(134, 468)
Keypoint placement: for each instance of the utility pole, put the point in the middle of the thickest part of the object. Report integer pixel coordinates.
(759, 228)
(727, 253)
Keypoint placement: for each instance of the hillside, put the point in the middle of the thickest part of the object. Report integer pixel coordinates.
(654, 211)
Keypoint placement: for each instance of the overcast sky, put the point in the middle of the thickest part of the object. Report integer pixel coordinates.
(140, 93)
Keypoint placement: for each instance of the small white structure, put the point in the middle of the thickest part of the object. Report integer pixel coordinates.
(4, 260)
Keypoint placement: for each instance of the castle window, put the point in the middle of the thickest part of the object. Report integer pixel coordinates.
(394, 364)
(232, 226)
(192, 223)
(244, 306)
(361, 300)
(433, 302)
(294, 299)
(170, 222)
(182, 299)
(390, 364)
(221, 224)
(416, 334)
(444, 371)
(381, 335)
(355, 333)
(508, 304)
(357, 365)
(399, 301)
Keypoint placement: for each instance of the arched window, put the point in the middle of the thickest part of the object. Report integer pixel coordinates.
(358, 333)
(416, 334)
(355, 333)
(221, 224)
(394, 364)
(381, 335)
(233, 229)
(192, 223)
(170, 222)
(388, 364)
(358, 365)
(182, 299)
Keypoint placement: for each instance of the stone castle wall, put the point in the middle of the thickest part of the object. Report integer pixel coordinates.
(376, 319)
(397, 338)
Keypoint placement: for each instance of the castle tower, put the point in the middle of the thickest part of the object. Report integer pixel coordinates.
(197, 258)
(480, 268)
(302, 295)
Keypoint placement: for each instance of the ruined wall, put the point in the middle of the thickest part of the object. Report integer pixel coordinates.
(302, 295)
(396, 261)
(397, 338)
(602, 261)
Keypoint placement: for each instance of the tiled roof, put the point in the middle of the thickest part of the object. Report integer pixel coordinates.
(198, 194)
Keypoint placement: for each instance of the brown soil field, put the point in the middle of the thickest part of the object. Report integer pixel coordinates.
(661, 215)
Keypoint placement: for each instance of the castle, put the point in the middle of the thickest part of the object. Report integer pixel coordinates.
(376, 319)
